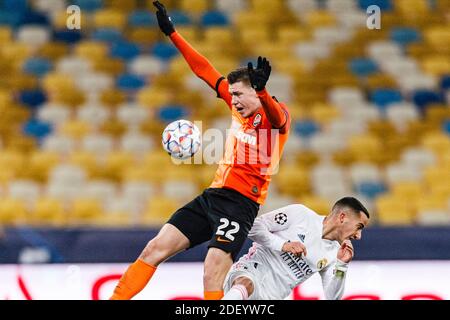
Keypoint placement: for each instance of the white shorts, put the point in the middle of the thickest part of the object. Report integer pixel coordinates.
(257, 273)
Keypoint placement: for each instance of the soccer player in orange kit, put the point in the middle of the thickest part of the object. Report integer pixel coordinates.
(224, 213)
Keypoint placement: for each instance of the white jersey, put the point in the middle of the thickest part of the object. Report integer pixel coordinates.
(275, 273)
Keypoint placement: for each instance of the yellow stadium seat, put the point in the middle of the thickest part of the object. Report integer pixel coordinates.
(437, 113)
(5, 34)
(292, 180)
(244, 19)
(11, 161)
(153, 98)
(307, 159)
(222, 35)
(48, 211)
(365, 147)
(112, 219)
(143, 36)
(116, 163)
(437, 142)
(85, 160)
(15, 52)
(320, 18)
(268, 6)
(433, 174)
(378, 81)
(112, 97)
(194, 7)
(405, 190)
(438, 36)
(411, 6)
(55, 82)
(84, 209)
(316, 203)
(292, 34)
(256, 36)
(159, 210)
(114, 128)
(109, 65)
(92, 50)
(274, 53)
(429, 202)
(123, 6)
(76, 129)
(324, 113)
(440, 188)
(53, 50)
(23, 82)
(110, 18)
(189, 32)
(437, 65)
(20, 143)
(393, 211)
(13, 212)
(39, 165)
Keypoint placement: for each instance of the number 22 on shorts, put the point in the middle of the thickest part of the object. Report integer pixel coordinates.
(224, 223)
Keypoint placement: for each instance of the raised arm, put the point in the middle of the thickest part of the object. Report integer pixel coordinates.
(277, 116)
(197, 62)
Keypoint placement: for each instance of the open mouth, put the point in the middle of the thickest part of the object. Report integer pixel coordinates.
(239, 109)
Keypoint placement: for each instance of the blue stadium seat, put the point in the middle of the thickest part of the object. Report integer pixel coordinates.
(36, 128)
(385, 5)
(180, 18)
(14, 5)
(32, 98)
(107, 35)
(383, 97)
(362, 67)
(404, 36)
(37, 66)
(124, 50)
(67, 36)
(214, 18)
(305, 128)
(34, 18)
(130, 82)
(370, 189)
(142, 18)
(423, 98)
(88, 5)
(11, 19)
(171, 113)
(445, 82)
(164, 51)
(446, 127)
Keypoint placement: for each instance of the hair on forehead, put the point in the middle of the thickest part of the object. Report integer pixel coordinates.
(238, 75)
(352, 203)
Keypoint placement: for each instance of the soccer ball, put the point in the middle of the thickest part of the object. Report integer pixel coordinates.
(181, 139)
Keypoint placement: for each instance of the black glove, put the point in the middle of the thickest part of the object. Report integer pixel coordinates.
(165, 24)
(260, 75)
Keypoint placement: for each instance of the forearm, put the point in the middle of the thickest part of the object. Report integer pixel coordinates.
(334, 282)
(275, 113)
(260, 234)
(197, 62)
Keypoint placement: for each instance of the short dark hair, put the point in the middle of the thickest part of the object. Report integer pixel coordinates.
(352, 203)
(237, 75)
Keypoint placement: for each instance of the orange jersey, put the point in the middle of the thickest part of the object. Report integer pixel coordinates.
(254, 145)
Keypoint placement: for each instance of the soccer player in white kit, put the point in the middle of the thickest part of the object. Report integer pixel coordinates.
(290, 245)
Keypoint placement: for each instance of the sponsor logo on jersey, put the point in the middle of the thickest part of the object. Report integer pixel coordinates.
(246, 138)
(322, 263)
(302, 237)
(219, 239)
(257, 120)
(297, 265)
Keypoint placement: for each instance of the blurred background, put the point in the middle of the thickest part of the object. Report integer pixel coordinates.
(83, 176)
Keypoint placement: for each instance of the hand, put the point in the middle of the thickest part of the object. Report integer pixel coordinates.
(165, 24)
(260, 75)
(345, 252)
(296, 248)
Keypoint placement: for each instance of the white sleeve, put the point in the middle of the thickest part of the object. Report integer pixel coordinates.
(265, 225)
(333, 280)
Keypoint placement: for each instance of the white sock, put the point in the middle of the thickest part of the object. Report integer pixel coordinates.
(237, 292)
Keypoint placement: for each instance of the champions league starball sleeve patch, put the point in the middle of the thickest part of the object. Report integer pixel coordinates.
(281, 218)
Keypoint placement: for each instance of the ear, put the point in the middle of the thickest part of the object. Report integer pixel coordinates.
(342, 216)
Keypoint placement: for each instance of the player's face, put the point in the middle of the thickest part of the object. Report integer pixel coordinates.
(351, 225)
(244, 99)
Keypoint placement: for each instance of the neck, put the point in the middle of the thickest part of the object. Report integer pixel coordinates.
(328, 229)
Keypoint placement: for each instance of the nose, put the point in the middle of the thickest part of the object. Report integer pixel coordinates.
(357, 235)
(234, 100)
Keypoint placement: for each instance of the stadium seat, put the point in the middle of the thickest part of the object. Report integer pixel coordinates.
(404, 36)
(37, 66)
(84, 210)
(429, 218)
(32, 98)
(94, 82)
(142, 18)
(384, 97)
(214, 18)
(361, 172)
(58, 144)
(370, 190)
(94, 114)
(292, 181)
(97, 144)
(146, 66)
(136, 143)
(164, 51)
(109, 18)
(67, 36)
(100, 190)
(362, 67)
(326, 144)
(230, 6)
(171, 113)
(385, 5)
(27, 191)
(48, 212)
(159, 211)
(75, 129)
(305, 128)
(108, 35)
(124, 50)
(399, 172)
(132, 115)
(13, 212)
(392, 211)
(130, 82)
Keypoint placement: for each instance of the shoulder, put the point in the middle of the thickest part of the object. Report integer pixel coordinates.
(300, 211)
